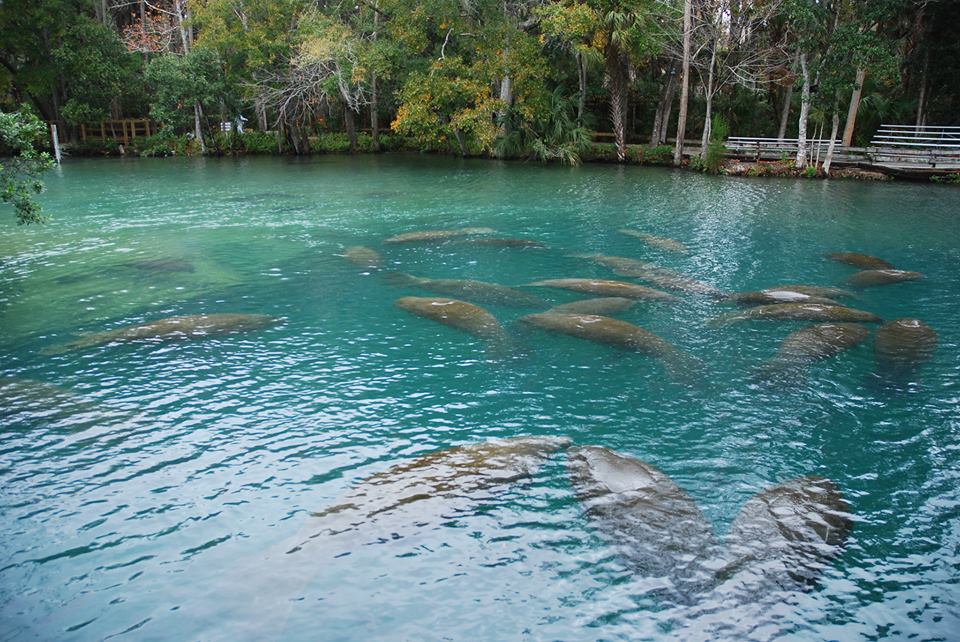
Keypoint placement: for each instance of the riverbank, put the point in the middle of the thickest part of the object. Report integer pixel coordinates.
(265, 144)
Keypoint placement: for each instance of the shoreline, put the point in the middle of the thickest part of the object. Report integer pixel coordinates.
(598, 154)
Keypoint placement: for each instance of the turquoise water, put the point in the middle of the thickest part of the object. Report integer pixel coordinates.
(151, 490)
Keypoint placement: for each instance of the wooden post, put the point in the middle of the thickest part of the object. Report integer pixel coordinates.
(83, 133)
(55, 139)
(103, 131)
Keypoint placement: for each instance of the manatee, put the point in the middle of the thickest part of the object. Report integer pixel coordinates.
(871, 278)
(363, 257)
(784, 536)
(26, 400)
(620, 334)
(605, 287)
(437, 236)
(160, 265)
(902, 345)
(653, 524)
(770, 297)
(479, 291)
(657, 241)
(430, 489)
(605, 305)
(809, 345)
(862, 261)
(821, 291)
(462, 316)
(197, 326)
(799, 312)
(523, 244)
(658, 276)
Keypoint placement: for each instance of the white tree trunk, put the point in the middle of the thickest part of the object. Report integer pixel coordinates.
(685, 87)
(198, 129)
(804, 113)
(708, 114)
(833, 138)
(851, 123)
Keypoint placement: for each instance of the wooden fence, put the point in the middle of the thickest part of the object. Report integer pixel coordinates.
(121, 131)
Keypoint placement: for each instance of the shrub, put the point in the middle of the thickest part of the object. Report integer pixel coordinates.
(716, 150)
(654, 154)
(93, 147)
(257, 142)
(947, 179)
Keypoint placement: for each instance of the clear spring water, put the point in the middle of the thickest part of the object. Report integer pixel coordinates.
(146, 495)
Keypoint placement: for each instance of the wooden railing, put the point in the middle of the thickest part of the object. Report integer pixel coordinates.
(119, 130)
(914, 146)
(774, 148)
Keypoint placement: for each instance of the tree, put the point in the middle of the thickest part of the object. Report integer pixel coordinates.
(685, 84)
(20, 173)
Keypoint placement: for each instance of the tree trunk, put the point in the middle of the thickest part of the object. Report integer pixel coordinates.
(348, 120)
(922, 100)
(785, 109)
(184, 38)
(662, 117)
(582, 78)
(708, 113)
(374, 98)
(833, 138)
(854, 108)
(684, 88)
(198, 128)
(617, 81)
(804, 112)
(261, 110)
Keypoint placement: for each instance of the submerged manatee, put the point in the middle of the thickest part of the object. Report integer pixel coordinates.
(160, 265)
(654, 525)
(799, 312)
(820, 291)
(784, 536)
(872, 278)
(600, 329)
(809, 345)
(606, 287)
(478, 291)
(463, 316)
(437, 236)
(862, 261)
(605, 305)
(522, 244)
(659, 242)
(431, 489)
(659, 276)
(902, 345)
(774, 296)
(197, 326)
(363, 257)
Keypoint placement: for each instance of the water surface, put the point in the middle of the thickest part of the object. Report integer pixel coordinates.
(152, 490)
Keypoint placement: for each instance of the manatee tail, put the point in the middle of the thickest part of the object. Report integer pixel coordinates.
(725, 319)
(399, 279)
(783, 374)
(683, 368)
(786, 535)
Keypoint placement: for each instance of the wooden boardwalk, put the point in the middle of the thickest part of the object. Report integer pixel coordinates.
(900, 150)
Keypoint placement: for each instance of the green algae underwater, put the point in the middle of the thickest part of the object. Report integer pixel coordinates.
(153, 489)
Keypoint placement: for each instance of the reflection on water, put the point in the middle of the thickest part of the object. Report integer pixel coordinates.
(266, 484)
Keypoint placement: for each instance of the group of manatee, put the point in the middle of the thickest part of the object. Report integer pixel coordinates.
(900, 345)
(781, 539)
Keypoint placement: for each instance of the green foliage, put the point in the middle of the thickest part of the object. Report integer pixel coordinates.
(20, 182)
(947, 179)
(550, 134)
(716, 150)
(654, 155)
(178, 82)
(810, 171)
(339, 143)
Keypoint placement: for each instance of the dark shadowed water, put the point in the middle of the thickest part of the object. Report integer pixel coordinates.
(154, 490)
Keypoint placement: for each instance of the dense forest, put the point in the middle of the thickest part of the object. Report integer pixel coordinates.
(508, 78)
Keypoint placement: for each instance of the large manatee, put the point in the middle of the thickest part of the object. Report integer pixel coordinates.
(862, 261)
(773, 296)
(363, 257)
(463, 316)
(430, 489)
(653, 524)
(657, 241)
(872, 278)
(479, 291)
(785, 535)
(809, 345)
(799, 312)
(437, 236)
(902, 345)
(197, 326)
(679, 365)
(659, 276)
(606, 287)
(605, 305)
